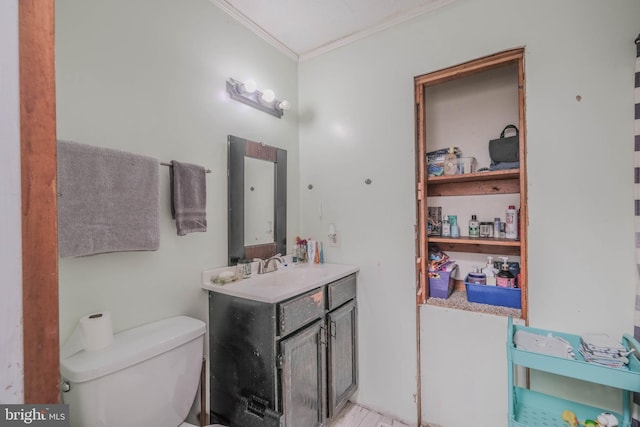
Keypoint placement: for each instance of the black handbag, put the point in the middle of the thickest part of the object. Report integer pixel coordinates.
(505, 149)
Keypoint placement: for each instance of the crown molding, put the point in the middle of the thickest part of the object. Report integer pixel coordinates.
(257, 29)
(334, 44)
(375, 28)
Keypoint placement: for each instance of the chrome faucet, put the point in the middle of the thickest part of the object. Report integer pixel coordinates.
(270, 264)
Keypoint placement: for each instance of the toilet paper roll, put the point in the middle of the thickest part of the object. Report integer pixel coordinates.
(97, 331)
(93, 332)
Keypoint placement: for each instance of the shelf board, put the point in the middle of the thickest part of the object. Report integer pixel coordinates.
(480, 183)
(477, 244)
(477, 176)
(535, 409)
(626, 379)
(458, 301)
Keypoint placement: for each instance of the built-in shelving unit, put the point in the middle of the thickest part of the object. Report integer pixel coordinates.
(507, 69)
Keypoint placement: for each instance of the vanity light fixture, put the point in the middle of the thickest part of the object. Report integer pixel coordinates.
(248, 94)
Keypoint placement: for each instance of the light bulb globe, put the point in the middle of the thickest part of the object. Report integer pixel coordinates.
(249, 86)
(268, 95)
(284, 105)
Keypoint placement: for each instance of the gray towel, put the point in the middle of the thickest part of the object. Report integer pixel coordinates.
(188, 197)
(108, 201)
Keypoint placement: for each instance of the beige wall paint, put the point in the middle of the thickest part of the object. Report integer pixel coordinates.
(357, 121)
(148, 77)
(11, 366)
(575, 48)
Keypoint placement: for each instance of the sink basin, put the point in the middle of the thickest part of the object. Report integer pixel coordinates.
(279, 285)
(296, 273)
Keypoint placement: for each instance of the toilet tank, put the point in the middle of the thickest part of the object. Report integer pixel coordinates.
(147, 377)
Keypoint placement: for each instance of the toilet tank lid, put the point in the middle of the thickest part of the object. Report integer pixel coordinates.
(130, 347)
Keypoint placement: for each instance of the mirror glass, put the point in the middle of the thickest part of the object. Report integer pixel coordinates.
(259, 193)
(257, 199)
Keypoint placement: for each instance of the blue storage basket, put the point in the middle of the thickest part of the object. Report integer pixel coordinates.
(494, 295)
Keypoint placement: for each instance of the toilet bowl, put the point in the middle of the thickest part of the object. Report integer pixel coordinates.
(148, 376)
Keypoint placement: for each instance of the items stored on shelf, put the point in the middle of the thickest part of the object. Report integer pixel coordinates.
(448, 161)
(544, 344)
(604, 350)
(474, 227)
(511, 221)
(455, 228)
(441, 273)
(434, 220)
(505, 278)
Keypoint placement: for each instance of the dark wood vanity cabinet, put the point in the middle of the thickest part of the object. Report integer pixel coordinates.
(291, 363)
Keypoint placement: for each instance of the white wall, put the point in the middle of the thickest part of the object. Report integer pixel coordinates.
(11, 366)
(148, 77)
(356, 121)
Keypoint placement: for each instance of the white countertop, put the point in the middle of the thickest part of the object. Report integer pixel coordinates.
(279, 285)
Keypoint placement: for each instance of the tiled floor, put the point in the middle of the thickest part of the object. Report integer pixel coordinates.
(357, 416)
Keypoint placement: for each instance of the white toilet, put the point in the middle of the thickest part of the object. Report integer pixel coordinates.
(148, 377)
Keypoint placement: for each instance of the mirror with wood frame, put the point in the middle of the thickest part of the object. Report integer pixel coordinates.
(257, 226)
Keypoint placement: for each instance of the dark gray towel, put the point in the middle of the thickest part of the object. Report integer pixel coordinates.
(109, 200)
(188, 197)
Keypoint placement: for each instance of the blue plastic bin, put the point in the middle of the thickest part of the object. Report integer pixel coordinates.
(494, 295)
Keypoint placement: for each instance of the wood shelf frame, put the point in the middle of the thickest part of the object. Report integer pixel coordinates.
(486, 183)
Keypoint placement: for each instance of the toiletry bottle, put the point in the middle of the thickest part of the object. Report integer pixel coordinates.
(476, 276)
(446, 227)
(496, 227)
(505, 278)
(490, 272)
(311, 251)
(294, 254)
(316, 256)
(451, 162)
(455, 230)
(321, 254)
(511, 219)
(474, 227)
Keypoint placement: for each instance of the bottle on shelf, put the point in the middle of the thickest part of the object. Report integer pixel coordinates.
(451, 162)
(477, 276)
(511, 220)
(496, 227)
(446, 227)
(505, 278)
(490, 272)
(455, 230)
(474, 227)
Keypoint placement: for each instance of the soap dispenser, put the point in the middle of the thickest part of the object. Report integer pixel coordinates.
(505, 278)
(490, 272)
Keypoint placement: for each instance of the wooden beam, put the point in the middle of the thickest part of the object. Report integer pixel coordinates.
(39, 207)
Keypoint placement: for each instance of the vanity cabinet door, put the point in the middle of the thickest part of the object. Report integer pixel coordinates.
(303, 377)
(342, 360)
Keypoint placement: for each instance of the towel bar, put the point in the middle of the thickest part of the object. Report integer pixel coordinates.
(170, 165)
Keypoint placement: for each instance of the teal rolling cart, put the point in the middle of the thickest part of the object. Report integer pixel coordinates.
(534, 409)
